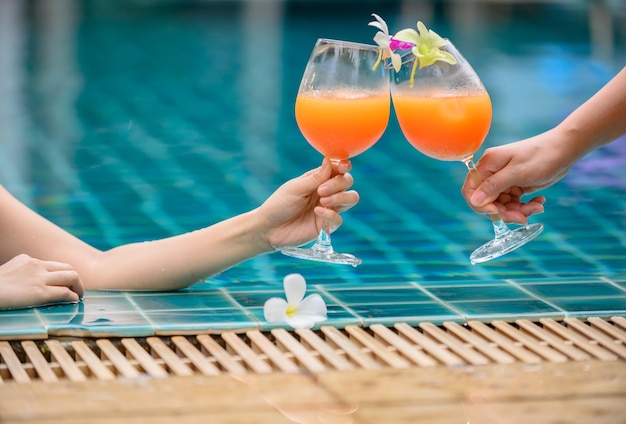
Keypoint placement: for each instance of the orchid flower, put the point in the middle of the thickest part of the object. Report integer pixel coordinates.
(427, 47)
(297, 311)
(387, 44)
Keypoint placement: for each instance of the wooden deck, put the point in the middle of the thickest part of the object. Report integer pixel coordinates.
(540, 372)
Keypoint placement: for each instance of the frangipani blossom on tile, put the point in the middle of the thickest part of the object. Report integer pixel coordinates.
(297, 311)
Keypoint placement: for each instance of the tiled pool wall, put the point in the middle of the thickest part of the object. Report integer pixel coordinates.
(206, 309)
(127, 121)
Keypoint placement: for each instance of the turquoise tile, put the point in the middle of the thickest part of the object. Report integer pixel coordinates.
(200, 321)
(340, 316)
(253, 285)
(111, 302)
(208, 286)
(20, 324)
(384, 280)
(92, 320)
(411, 313)
(506, 309)
(251, 299)
(380, 294)
(621, 283)
(182, 300)
(573, 290)
(602, 307)
(559, 279)
(481, 292)
(457, 282)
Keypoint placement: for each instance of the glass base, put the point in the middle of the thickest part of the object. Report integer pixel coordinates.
(506, 243)
(322, 255)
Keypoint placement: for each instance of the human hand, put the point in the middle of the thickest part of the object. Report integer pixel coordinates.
(294, 214)
(512, 170)
(26, 282)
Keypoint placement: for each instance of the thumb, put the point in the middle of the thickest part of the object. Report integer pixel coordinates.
(312, 179)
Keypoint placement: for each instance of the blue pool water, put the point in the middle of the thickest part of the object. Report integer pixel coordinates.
(127, 121)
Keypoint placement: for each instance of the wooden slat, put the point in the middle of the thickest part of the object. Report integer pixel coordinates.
(99, 370)
(65, 361)
(364, 360)
(13, 363)
(199, 361)
(577, 340)
(329, 354)
(618, 350)
(540, 348)
(254, 361)
(267, 347)
(117, 358)
(147, 362)
(377, 348)
(557, 343)
(470, 355)
(305, 357)
(583, 338)
(609, 329)
(620, 321)
(434, 349)
(219, 353)
(41, 365)
(319, 351)
(171, 359)
(478, 343)
(417, 356)
(504, 343)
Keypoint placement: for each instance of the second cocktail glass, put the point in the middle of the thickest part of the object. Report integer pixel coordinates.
(444, 111)
(342, 109)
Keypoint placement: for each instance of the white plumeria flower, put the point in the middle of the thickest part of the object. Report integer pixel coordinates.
(297, 311)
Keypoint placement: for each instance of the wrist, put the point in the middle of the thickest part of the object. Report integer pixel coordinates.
(572, 141)
(259, 233)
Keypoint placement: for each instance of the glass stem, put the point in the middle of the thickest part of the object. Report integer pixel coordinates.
(323, 244)
(500, 229)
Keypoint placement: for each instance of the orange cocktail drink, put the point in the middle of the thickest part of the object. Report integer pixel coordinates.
(342, 124)
(445, 127)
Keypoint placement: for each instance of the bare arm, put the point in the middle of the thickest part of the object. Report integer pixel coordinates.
(512, 170)
(292, 215)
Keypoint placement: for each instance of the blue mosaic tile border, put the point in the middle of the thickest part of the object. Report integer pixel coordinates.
(206, 309)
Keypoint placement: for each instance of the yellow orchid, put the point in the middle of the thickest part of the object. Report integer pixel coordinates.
(427, 47)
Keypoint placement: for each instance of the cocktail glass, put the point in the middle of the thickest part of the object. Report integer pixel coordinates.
(445, 112)
(342, 109)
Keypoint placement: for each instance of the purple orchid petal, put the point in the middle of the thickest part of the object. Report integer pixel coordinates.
(400, 45)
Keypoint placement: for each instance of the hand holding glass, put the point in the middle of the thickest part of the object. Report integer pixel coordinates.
(342, 109)
(445, 112)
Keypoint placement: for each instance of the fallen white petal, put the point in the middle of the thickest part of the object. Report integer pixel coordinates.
(300, 321)
(313, 306)
(295, 288)
(275, 310)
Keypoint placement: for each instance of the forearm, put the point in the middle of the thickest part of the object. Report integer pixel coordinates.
(598, 121)
(179, 261)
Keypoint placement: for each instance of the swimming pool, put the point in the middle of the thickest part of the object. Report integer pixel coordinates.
(126, 121)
